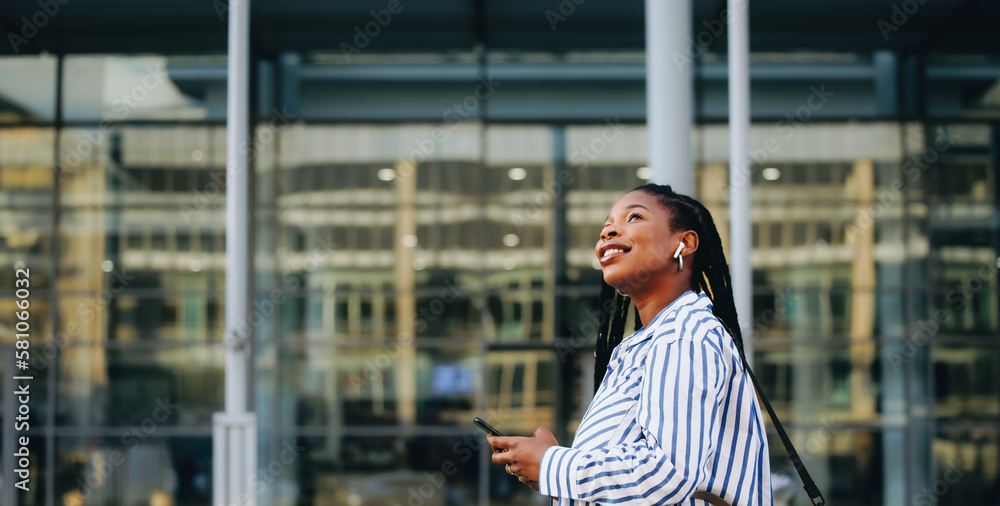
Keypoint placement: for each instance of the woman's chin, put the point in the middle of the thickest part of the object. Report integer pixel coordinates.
(615, 280)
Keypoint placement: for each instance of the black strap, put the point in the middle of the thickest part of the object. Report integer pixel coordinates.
(710, 498)
(808, 484)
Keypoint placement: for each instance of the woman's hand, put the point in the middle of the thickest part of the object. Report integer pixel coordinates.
(522, 456)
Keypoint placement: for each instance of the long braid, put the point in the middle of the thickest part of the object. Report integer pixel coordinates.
(715, 274)
(711, 272)
(612, 329)
(602, 352)
(711, 276)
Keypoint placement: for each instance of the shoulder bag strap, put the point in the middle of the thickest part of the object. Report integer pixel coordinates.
(710, 498)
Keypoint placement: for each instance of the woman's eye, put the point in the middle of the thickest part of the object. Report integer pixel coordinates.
(633, 216)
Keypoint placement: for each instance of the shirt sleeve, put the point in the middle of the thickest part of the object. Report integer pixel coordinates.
(679, 409)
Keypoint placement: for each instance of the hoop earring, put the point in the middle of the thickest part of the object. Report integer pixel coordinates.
(623, 294)
(677, 255)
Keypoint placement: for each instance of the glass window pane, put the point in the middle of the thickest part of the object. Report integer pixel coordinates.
(122, 387)
(847, 464)
(965, 468)
(194, 316)
(27, 166)
(813, 313)
(385, 385)
(26, 242)
(964, 282)
(117, 88)
(179, 167)
(28, 88)
(366, 247)
(84, 318)
(134, 469)
(519, 315)
(522, 394)
(966, 383)
(355, 315)
(375, 470)
(947, 97)
(137, 249)
(367, 164)
(813, 384)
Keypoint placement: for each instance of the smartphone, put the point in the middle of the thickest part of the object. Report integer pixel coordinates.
(487, 428)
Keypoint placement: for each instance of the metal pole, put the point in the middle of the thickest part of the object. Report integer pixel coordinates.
(670, 93)
(739, 168)
(234, 434)
(237, 184)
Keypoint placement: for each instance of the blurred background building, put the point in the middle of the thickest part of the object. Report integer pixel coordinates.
(429, 181)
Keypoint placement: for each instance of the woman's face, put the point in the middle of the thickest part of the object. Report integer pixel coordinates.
(636, 244)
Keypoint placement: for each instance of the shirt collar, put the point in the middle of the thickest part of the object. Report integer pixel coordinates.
(688, 298)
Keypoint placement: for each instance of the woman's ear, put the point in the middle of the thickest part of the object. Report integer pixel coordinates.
(690, 240)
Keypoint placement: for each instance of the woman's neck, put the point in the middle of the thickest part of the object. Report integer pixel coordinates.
(650, 303)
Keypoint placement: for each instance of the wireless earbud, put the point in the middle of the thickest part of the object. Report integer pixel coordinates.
(677, 255)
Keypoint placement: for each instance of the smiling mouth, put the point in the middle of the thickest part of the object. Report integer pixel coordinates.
(612, 252)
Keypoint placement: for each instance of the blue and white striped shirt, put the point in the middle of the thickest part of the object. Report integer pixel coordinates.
(675, 414)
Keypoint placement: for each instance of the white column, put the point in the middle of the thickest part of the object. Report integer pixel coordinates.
(739, 168)
(237, 224)
(670, 93)
(234, 436)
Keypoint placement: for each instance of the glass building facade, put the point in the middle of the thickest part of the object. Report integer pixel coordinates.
(423, 229)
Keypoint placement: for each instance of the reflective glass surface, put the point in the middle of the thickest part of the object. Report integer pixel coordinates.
(413, 271)
(134, 466)
(120, 387)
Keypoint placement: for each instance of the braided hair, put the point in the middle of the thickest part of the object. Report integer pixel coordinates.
(710, 274)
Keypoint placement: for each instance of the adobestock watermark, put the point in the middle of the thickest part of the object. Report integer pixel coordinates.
(463, 451)
(202, 198)
(31, 25)
(372, 29)
(389, 351)
(99, 473)
(957, 299)
(458, 113)
(770, 317)
(87, 311)
(713, 29)
(784, 130)
(75, 154)
(913, 170)
(586, 332)
(929, 496)
(260, 480)
(580, 158)
(591, 151)
(899, 15)
(222, 7)
(820, 439)
(566, 8)
(238, 337)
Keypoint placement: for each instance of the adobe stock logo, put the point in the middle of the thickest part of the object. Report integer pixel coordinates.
(31, 25)
(899, 17)
(372, 29)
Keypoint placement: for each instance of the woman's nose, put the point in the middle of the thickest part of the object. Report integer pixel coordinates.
(609, 234)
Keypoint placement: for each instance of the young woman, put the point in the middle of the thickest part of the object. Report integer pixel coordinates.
(674, 415)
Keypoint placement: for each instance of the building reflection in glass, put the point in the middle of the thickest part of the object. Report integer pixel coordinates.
(398, 296)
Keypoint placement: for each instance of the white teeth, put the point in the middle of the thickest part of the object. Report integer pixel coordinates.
(611, 251)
